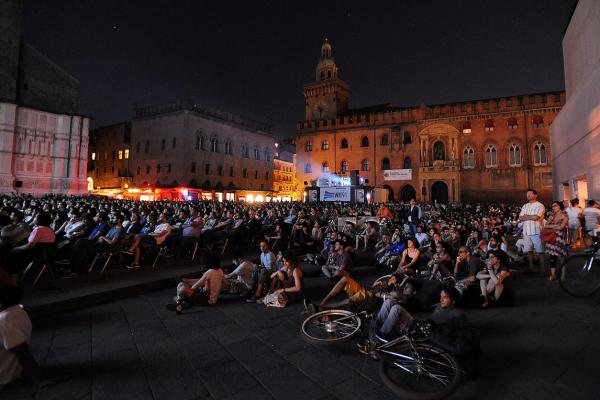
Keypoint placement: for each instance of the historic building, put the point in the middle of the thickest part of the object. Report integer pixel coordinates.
(108, 158)
(481, 150)
(284, 173)
(184, 150)
(43, 137)
(576, 132)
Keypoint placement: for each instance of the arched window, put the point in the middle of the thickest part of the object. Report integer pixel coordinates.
(308, 168)
(364, 142)
(267, 155)
(539, 154)
(322, 75)
(228, 147)
(256, 153)
(407, 163)
(214, 145)
(344, 167)
(385, 163)
(385, 140)
(325, 145)
(491, 157)
(364, 165)
(325, 167)
(514, 155)
(469, 157)
(146, 147)
(344, 144)
(139, 170)
(245, 150)
(308, 146)
(438, 151)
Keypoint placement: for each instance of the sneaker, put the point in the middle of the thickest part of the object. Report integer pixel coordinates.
(133, 266)
(129, 253)
(311, 309)
(252, 299)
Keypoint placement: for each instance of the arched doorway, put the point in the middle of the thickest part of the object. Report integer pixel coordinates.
(439, 192)
(390, 192)
(408, 192)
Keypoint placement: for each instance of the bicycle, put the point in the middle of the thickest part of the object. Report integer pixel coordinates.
(579, 275)
(409, 366)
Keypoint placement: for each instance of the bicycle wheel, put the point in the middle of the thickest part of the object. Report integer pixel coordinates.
(330, 327)
(579, 275)
(430, 374)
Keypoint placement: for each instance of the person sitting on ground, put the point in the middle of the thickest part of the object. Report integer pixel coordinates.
(368, 236)
(494, 279)
(261, 272)
(240, 279)
(383, 245)
(161, 231)
(361, 298)
(287, 283)
(466, 269)
(342, 262)
(204, 291)
(410, 258)
(440, 264)
(15, 334)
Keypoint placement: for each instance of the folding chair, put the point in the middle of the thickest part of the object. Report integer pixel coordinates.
(162, 250)
(44, 258)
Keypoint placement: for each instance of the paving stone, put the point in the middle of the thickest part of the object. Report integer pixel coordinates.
(152, 330)
(229, 333)
(286, 382)
(320, 366)
(255, 355)
(258, 393)
(175, 381)
(227, 379)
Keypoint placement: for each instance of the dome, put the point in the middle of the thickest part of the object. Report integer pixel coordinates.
(326, 45)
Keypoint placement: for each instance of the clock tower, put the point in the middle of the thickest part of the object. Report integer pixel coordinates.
(327, 96)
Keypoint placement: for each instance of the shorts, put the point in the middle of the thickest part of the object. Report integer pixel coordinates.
(532, 242)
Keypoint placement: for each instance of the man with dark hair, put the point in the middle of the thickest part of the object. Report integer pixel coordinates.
(531, 216)
(15, 333)
(342, 262)
(414, 215)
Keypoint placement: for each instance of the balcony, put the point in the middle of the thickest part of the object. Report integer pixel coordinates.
(439, 165)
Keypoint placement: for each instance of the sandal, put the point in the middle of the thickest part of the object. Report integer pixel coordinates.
(485, 305)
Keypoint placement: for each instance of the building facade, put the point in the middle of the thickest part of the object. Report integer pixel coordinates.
(488, 150)
(108, 158)
(184, 150)
(575, 133)
(43, 138)
(284, 174)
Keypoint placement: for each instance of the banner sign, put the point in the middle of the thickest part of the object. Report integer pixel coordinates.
(335, 194)
(397, 174)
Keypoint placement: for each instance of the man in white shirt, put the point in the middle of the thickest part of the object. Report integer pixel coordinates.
(591, 215)
(15, 333)
(240, 279)
(574, 212)
(161, 231)
(531, 216)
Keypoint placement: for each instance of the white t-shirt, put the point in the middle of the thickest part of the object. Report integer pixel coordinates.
(533, 227)
(573, 213)
(590, 214)
(162, 231)
(213, 280)
(15, 329)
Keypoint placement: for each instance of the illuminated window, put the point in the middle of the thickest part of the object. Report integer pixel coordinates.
(93, 156)
(344, 167)
(364, 165)
(325, 145)
(308, 146)
(325, 167)
(120, 154)
(127, 154)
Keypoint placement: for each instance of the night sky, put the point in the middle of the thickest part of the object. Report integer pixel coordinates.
(253, 57)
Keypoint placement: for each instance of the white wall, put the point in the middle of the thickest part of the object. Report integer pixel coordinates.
(575, 133)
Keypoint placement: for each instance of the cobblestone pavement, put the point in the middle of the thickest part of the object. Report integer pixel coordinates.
(544, 348)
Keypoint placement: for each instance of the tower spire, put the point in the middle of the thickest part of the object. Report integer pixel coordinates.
(326, 68)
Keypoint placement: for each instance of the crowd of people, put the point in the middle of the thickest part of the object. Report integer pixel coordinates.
(470, 251)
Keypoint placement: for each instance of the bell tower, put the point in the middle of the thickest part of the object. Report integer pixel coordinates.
(327, 96)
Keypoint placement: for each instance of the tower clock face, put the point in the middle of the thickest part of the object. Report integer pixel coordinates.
(321, 110)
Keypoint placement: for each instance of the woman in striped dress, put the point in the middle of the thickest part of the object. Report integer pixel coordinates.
(558, 250)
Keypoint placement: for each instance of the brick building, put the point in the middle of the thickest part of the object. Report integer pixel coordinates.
(481, 150)
(185, 150)
(43, 137)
